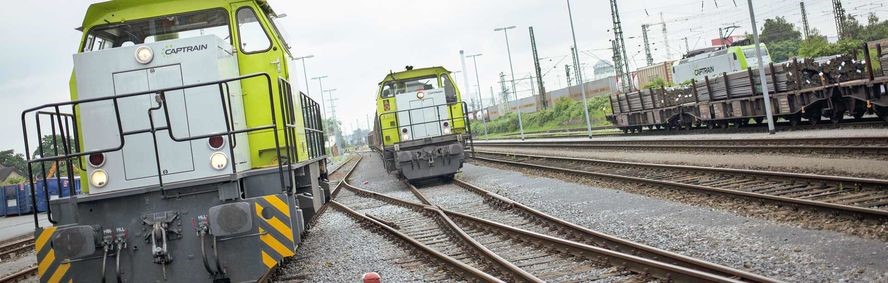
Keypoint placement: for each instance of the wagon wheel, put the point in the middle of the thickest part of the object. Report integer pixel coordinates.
(758, 120)
(794, 120)
(858, 114)
(882, 112)
(814, 119)
(838, 114)
(837, 117)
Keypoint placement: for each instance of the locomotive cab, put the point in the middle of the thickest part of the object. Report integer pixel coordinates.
(422, 127)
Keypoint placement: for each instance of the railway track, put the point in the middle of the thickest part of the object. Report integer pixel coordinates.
(528, 251)
(22, 275)
(465, 198)
(425, 231)
(781, 126)
(860, 197)
(869, 147)
(14, 248)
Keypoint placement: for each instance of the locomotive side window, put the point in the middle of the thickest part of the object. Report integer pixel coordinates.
(449, 89)
(157, 29)
(388, 90)
(252, 36)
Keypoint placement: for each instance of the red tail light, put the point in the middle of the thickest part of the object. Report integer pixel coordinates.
(97, 159)
(216, 142)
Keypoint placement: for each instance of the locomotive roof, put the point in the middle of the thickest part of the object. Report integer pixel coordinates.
(416, 72)
(116, 11)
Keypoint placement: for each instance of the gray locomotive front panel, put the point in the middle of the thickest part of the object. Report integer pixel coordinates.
(146, 237)
(430, 157)
(192, 112)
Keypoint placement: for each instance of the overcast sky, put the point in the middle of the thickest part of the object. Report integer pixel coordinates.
(357, 42)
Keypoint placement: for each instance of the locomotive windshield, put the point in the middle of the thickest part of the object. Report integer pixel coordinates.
(158, 29)
(392, 88)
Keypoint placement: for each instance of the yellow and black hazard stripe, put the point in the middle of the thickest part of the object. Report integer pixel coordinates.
(275, 229)
(50, 268)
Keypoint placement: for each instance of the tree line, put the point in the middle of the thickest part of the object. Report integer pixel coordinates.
(785, 41)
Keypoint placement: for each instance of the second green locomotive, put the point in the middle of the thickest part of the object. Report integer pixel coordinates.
(421, 124)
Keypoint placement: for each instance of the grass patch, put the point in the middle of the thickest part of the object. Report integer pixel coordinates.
(565, 114)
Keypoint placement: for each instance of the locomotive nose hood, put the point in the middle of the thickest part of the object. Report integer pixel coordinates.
(174, 115)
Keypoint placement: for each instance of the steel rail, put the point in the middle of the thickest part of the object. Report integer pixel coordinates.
(335, 191)
(15, 245)
(862, 211)
(883, 139)
(634, 263)
(515, 271)
(615, 243)
(457, 265)
(865, 123)
(834, 145)
(20, 275)
(347, 175)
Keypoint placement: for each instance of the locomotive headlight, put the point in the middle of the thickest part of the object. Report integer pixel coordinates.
(218, 161)
(420, 94)
(144, 54)
(98, 178)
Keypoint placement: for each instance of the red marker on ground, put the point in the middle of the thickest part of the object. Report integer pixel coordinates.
(371, 277)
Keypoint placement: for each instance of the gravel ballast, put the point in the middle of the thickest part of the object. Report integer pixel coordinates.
(776, 250)
(371, 175)
(338, 249)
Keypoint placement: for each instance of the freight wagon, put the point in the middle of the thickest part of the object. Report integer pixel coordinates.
(800, 89)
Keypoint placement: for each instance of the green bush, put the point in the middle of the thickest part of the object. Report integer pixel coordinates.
(565, 113)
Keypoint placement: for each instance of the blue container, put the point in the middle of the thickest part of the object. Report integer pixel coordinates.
(56, 187)
(18, 199)
(2, 201)
(65, 191)
(50, 185)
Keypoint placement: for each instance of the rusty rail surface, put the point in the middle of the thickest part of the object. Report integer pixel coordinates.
(862, 197)
(636, 264)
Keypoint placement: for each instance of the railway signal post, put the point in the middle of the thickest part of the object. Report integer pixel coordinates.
(505, 31)
(761, 67)
(579, 74)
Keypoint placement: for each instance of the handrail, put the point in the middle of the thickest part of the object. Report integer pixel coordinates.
(71, 153)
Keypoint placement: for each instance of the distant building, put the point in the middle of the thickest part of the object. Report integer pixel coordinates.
(602, 69)
(7, 173)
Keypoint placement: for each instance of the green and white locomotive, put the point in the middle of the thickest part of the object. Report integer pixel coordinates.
(422, 129)
(198, 162)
